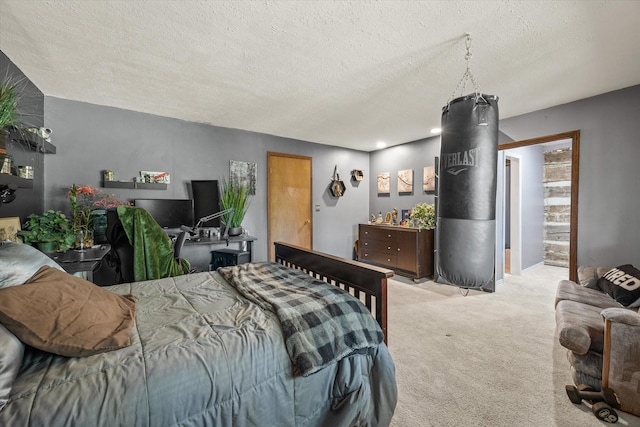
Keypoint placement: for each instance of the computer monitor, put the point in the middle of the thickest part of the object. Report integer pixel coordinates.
(169, 213)
(206, 201)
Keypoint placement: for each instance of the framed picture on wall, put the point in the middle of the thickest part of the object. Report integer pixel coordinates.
(405, 181)
(243, 173)
(429, 179)
(383, 182)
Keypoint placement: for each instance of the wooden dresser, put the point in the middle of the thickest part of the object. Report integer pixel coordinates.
(406, 250)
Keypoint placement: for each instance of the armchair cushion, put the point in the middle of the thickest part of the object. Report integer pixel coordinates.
(568, 290)
(580, 326)
(588, 276)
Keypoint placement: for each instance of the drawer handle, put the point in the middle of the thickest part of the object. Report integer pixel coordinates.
(389, 235)
(388, 248)
(366, 244)
(366, 232)
(366, 254)
(388, 260)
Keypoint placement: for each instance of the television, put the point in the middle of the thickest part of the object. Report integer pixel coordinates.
(168, 213)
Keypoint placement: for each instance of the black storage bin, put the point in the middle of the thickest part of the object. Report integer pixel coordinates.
(227, 257)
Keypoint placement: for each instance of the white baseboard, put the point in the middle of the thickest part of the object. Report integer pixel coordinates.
(541, 263)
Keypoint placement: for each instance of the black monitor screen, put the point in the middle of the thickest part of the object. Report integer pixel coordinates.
(168, 213)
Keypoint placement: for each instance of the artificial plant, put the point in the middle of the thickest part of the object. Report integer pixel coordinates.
(236, 196)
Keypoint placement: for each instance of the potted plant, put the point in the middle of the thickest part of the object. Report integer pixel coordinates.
(8, 115)
(423, 215)
(236, 196)
(49, 231)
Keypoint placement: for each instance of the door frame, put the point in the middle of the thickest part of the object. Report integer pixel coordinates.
(574, 136)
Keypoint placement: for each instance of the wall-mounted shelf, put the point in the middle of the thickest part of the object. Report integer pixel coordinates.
(134, 185)
(32, 141)
(5, 178)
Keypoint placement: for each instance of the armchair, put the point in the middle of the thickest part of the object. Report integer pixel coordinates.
(602, 338)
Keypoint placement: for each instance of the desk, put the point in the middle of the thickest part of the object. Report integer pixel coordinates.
(198, 250)
(81, 262)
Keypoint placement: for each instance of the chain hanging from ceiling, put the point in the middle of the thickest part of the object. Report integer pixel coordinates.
(468, 75)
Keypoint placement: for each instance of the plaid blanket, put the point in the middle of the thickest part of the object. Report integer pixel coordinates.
(321, 323)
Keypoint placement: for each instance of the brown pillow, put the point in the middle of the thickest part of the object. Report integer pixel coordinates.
(66, 315)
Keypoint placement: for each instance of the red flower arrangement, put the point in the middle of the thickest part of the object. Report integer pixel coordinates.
(85, 199)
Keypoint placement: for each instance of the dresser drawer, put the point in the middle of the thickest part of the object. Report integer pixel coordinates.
(373, 233)
(389, 247)
(378, 257)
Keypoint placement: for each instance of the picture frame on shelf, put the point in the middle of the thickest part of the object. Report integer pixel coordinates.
(9, 227)
(152, 177)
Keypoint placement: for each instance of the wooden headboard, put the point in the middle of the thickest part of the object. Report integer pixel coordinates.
(363, 281)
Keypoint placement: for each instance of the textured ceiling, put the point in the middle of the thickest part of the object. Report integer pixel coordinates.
(346, 73)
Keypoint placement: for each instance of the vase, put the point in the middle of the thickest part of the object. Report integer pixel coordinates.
(47, 246)
(235, 231)
(84, 240)
(99, 225)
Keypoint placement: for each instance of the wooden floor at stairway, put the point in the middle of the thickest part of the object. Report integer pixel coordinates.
(507, 260)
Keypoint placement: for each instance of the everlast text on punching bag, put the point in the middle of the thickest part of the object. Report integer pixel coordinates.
(465, 231)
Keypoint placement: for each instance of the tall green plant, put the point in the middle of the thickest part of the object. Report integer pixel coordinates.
(8, 106)
(236, 196)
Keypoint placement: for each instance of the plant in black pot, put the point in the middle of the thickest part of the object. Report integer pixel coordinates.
(235, 196)
(50, 231)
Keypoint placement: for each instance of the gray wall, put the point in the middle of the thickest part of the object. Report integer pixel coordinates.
(91, 138)
(608, 201)
(414, 155)
(31, 114)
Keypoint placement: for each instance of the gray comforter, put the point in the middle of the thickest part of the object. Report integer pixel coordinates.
(201, 355)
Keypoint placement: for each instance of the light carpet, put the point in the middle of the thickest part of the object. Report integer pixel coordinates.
(487, 359)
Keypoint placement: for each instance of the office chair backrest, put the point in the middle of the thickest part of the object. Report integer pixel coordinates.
(121, 254)
(178, 244)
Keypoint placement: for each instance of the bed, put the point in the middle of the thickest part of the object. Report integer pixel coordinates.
(203, 352)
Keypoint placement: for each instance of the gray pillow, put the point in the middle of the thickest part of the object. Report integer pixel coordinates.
(10, 361)
(18, 262)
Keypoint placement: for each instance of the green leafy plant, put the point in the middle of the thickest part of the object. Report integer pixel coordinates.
(48, 227)
(423, 215)
(8, 106)
(236, 196)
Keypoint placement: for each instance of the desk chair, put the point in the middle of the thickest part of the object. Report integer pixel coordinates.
(121, 256)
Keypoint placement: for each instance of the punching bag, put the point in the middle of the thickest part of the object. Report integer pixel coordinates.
(466, 204)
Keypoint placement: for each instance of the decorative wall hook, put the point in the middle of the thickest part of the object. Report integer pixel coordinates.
(357, 175)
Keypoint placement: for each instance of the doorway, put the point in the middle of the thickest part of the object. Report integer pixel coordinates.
(574, 138)
(513, 217)
(289, 209)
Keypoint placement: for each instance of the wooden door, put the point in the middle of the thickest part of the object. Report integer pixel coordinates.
(289, 210)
